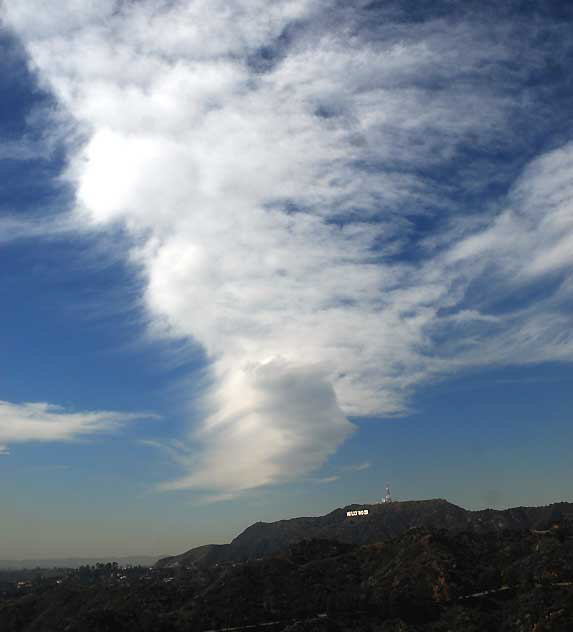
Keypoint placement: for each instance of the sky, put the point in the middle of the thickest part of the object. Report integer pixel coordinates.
(258, 260)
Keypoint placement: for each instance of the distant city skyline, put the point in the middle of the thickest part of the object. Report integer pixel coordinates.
(259, 261)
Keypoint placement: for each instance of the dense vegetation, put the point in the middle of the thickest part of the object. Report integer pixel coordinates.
(436, 580)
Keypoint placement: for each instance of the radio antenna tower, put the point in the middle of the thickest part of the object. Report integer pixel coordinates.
(387, 496)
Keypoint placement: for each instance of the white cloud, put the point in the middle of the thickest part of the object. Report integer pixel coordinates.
(41, 422)
(357, 467)
(266, 207)
(17, 150)
(13, 228)
(533, 236)
(327, 480)
(271, 422)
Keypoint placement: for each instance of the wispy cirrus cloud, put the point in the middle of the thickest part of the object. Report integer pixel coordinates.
(331, 200)
(327, 480)
(345, 469)
(41, 422)
(13, 228)
(357, 467)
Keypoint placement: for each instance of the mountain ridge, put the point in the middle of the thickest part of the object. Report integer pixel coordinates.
(384, 521)
(428, 580)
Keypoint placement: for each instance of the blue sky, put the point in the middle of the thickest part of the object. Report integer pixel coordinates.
(261, 267)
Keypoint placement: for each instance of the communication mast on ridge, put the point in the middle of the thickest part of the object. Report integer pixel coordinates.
(387, 496)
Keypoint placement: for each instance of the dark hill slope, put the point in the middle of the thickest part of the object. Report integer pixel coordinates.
(422, 581)
(383, 522)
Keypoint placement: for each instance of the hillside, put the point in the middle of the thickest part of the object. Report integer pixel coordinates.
(422, 581)
(383, 522)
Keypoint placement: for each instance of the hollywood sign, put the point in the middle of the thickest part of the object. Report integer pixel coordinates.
(358, 512)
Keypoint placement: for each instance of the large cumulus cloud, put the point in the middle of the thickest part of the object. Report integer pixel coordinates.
(273, 164)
